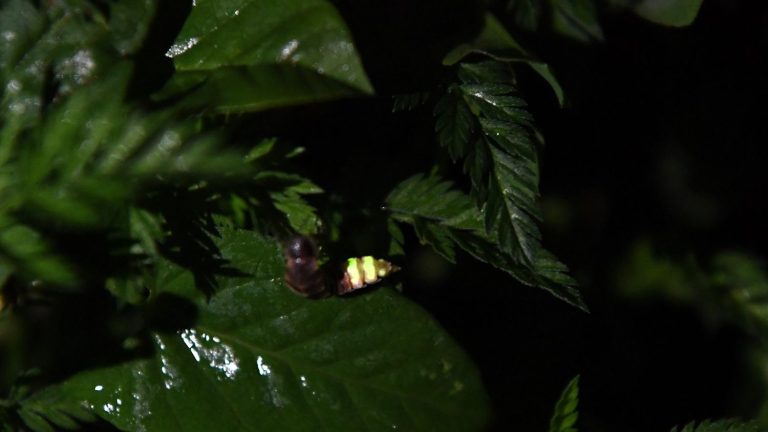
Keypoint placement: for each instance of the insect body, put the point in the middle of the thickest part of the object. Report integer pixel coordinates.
(302, 272)
(305, 277)
(361, 272)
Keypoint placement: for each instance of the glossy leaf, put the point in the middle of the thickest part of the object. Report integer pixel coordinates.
(676, 13)
(566, 413)
(501, 159)
(495, 42)
(262, 358)
(443, 216)
(250, 55)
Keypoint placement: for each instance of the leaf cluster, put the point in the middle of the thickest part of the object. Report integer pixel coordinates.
(154, 203)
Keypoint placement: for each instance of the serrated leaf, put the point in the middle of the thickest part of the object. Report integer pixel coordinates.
(676, 13)
(409, 101)
(301, 216)
(503, 166)
(261, 358)
(729, 425)
(485, 250)
(496, 43)
(445, 215)
(566, 413)
(81, 169)
(453, 123)
(428, 197)
(511, 210)
(436, 236)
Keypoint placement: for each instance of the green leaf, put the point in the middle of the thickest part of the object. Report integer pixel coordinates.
(729, 425)
(429, 197)
(576, 19)
(675, 13)
(27, 253)
(436, 236)
(301, 216)
(45, 409)
(34, 421)
(566, 414)
(261, 358)
(442, 215)
(496, 43)
(129, 22)
(511, 210)
(409, 101)
(397, 239)
(502, 162)
(296, 52)
(453, 123)
(237, 89)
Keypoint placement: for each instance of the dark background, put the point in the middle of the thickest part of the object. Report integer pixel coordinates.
(662, 141)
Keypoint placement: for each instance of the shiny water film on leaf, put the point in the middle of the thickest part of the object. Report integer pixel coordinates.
(261, 358)
(309, 34)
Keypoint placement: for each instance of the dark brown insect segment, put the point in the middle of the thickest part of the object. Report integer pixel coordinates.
(302, 271)
(305, 277)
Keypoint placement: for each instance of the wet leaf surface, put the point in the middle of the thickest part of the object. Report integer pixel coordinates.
(308, 35)
(261, 358)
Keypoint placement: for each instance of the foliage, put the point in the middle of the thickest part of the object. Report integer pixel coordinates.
(272, 357)
(443, 217)
(732, 289)
(565, 415)
(143, 209)
(719, 426)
